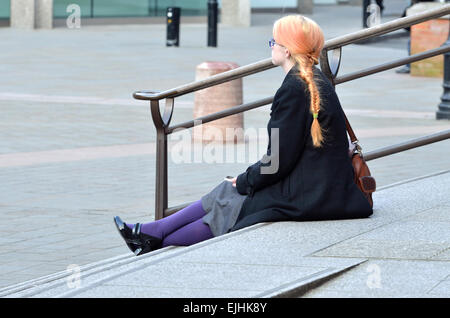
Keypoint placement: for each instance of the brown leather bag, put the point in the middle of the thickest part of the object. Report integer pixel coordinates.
(363, 179)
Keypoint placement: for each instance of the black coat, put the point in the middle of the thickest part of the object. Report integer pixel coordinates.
(310, 183)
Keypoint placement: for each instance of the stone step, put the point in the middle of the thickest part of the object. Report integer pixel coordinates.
(49, 285)
(280, 259)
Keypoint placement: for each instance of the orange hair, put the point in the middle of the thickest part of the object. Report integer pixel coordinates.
(304, 39)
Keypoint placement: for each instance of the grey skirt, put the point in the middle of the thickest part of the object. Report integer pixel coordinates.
(222, 206)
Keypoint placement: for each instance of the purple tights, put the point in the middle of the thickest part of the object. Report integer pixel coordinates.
(184, 227)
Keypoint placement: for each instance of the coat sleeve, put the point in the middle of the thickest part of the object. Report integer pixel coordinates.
(289, 118)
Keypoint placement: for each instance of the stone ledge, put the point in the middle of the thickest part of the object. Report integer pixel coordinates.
(290, 259)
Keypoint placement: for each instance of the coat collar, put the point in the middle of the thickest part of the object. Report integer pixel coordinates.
(291, 75)
(292, 71)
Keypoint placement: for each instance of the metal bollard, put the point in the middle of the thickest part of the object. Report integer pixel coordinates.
(444, 107)
(212, 23)
(173, 26)
(365, 13)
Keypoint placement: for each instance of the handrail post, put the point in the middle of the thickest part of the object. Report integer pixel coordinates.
(330, 68)
(161, 181)
(161, 197)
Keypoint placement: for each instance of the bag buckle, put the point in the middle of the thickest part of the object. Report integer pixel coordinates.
(357, 147)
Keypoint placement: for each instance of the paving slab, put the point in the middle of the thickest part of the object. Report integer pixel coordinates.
(389, 279)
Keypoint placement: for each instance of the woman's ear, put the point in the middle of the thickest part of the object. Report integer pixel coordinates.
(287, 53)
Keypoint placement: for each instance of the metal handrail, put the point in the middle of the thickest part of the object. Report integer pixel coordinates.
(371, 155)
(387, 27)
(328, 67)
(410, 144)
(266, 64)
(339, 80)
(223, 113)
(383, 67)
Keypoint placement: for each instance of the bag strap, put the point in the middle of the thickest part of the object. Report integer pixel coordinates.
(350, 130)
(352, 135)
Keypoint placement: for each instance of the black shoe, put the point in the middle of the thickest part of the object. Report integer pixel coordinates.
(139, 243)
(403, 70)
(148, 243)
(126, 234)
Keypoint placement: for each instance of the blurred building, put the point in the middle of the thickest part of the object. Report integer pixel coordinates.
(150, 8)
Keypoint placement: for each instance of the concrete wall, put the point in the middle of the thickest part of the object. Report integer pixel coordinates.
(236, 12)
(31, 14)
(285, 3)
(43, 14)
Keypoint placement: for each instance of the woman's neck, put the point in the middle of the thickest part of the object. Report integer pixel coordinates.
(287, 65)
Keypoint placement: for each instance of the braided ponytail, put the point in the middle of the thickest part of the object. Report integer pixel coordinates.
(304, 40)
(305, 65)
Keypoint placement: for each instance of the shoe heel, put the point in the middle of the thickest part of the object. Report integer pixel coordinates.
(136, 229)
(124, 232)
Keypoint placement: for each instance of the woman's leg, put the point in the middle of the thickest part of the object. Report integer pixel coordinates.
(163, 227)
(189, 234)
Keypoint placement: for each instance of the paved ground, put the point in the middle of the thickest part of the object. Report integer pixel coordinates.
(76, 149)
(400, 251)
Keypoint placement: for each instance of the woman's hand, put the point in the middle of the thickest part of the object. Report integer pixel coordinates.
(233, 181)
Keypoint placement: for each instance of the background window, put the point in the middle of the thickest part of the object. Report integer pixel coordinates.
(128, 8)
(4, 9)
(60, 6)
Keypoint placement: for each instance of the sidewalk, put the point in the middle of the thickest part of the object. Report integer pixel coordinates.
(76, 149)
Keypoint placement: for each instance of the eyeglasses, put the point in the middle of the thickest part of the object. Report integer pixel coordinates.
(272, 43)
